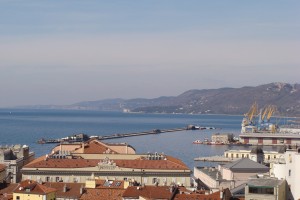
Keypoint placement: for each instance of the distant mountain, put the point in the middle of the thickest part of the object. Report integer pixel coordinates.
(208, 101)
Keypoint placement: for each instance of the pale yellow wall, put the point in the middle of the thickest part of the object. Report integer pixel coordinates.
(25, 196)
(122, 149)
(268, 155)
(227, 174)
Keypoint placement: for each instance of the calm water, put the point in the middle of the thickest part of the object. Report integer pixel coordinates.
(28, 126)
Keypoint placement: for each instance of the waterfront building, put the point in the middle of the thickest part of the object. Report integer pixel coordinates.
(256, 154)
(230, 175)
(270, 138)
(15, 157)
(289, 169)
(218, 138)
(266, 188)
(94, 159)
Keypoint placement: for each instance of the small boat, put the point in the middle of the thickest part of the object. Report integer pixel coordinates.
(197, 142)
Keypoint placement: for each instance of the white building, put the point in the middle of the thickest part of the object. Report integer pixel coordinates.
(289, 170)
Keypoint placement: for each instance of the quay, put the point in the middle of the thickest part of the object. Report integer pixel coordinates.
(83, 137)
(215, 159)
(155, 131)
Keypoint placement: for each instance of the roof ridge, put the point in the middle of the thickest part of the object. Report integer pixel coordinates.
(182, 164)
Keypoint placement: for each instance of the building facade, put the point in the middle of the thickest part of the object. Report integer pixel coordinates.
(15, 157)
(99, 161)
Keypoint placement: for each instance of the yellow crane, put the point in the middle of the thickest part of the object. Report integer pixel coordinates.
(253, 111)
(271, 110)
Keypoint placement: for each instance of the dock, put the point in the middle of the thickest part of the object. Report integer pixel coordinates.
(215, 159)
(155, 131)
(84, 137)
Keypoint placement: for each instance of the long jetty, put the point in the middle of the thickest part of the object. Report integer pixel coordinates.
(83, 137)
(155, 131)
(215, 159)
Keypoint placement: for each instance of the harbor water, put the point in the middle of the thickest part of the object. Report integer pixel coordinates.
(26, 127)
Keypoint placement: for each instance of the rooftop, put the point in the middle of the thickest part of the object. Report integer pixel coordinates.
(245, 164)
(140, 163)
(32, 187)
(265, 182)
(148, 192)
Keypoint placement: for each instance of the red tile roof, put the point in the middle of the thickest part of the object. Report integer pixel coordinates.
(6, 191)
(108, 193)
(2, 167)
(94, 146)
(32, 187)
(195, 196)
(72, 189)
(148, 192)
(141, 163)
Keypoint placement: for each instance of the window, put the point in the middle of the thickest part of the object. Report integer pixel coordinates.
(145, 180)
(47, 179)
(237, 155)
(290, 172)
(243, 156)
(57, 179)
(125, 179)
(226, 155)
(155, 180)
(18, 198)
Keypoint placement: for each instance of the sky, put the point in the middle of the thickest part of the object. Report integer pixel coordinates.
(63, 52)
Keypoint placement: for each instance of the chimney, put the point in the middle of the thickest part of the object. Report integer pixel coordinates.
(81, 190)
(65, 188)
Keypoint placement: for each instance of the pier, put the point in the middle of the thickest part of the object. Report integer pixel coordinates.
(83, 137)
(155, 131)
(215, 159)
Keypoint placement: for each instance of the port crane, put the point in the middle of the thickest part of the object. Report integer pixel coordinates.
(251, 114)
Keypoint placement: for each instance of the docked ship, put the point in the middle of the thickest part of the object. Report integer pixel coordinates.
(257, 129)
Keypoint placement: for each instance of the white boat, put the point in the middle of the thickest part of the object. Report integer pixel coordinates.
(197, 142)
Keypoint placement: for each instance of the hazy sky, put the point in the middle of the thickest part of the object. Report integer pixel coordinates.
(62, 52)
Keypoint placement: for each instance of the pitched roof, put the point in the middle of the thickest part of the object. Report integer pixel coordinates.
(245, 164)
(197, 196)
(141, 163)
(100, 193)
(72, 189)
(6, 191)
(265, 182)
(94, 146)
(32, 187)
(2, 167)
(148, 192)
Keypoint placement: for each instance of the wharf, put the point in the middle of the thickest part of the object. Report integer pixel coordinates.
(215, 159)
(84, 137)
(155, 131)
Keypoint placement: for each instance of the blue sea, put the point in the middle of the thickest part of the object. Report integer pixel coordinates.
(25, 127)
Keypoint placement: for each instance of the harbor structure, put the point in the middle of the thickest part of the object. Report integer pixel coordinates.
(96, 159)
(225, 138)
(256, 154)
(14, 158)
(257, 129)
